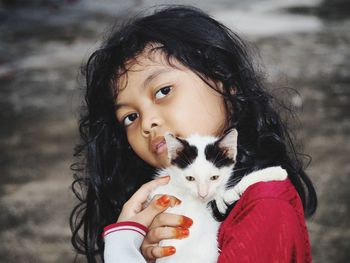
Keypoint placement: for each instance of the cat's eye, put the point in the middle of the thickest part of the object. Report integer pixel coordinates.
(214, 177)
(190, 178)
(129, 119)
(161, 93)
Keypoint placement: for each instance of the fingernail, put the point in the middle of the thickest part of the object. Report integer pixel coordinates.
(163, 201)
(181, 233)
(177, 201)
(167, 251)
(186, 222)
(165, 177)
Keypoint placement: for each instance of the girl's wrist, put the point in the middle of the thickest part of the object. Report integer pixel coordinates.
(125, 225)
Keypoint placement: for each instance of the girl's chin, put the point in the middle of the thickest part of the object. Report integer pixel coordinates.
(162, 161)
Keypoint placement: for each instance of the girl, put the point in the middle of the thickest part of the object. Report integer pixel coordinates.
(181, 71)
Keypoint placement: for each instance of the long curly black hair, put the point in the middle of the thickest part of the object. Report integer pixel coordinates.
(109, 172)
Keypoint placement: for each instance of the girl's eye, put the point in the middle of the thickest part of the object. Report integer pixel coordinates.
(162, 92)
(214, 177)
(190, 178)
(129, 119)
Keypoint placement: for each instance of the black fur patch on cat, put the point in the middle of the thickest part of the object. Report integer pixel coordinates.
(185, 156)
(218, 155)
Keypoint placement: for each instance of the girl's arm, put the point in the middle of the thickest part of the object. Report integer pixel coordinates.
(123, 241)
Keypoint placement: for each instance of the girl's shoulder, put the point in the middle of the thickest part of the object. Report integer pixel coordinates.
(273, 195)
(282, 190)
(267, 213)
(266, 203)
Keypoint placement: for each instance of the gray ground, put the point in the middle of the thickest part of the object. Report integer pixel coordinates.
(304, 46)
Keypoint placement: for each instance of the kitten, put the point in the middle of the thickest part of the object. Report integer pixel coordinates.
(200, 167)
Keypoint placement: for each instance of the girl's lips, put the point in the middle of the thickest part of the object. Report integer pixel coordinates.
(161, 147)
(158, 145)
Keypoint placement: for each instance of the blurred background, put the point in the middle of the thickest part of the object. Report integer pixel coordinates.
(303, 45)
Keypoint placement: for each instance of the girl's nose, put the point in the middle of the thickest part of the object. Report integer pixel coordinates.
(146, 131)
(150, 124)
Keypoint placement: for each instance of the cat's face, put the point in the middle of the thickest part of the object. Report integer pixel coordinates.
(202, 164)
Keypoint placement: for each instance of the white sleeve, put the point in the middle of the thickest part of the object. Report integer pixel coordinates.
(123, 241)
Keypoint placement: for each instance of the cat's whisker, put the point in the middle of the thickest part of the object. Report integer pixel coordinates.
(240, 169)
(216, 157)
(222, 159)
(186, 159)
(234, 180)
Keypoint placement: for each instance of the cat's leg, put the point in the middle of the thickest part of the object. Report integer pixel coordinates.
(276, 173)
(227, 197)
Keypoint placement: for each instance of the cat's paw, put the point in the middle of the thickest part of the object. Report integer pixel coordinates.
(231, 196)
(220, 204)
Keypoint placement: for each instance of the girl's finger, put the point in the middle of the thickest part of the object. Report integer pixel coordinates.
(174, 220)
(155, 235)
(141, 195)
(135, 204)
(158, 205)
(154, 252)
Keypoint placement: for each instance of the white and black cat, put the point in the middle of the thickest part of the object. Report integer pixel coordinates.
(200, 167)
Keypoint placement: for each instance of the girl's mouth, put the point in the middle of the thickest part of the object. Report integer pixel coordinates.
(161, 147)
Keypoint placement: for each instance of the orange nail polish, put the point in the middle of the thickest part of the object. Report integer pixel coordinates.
(181, 233)
(165, 177)
(167, 251)
(163, 201)
(186, 221)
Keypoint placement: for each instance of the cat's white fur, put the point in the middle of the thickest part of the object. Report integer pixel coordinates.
(201, 245)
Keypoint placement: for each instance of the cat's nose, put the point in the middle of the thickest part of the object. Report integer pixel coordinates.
(203, 195)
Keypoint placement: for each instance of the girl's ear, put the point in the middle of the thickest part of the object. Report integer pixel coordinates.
(174, 145)
(233, 90)
(229, 107)
(229, 142)
(220, 86)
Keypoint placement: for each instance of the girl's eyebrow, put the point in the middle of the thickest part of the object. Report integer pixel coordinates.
(152, 76)
(119, 105)
(155, 74)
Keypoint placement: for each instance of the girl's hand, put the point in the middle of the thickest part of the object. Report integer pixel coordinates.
(164, 226)
(133, 208)
(161, 225)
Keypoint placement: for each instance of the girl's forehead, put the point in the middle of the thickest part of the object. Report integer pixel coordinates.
(152, 58)
(145, 66)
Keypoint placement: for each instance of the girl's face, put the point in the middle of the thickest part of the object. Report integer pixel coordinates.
(155, 97)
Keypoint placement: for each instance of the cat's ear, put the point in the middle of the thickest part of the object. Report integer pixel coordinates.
(174, 145)
(228, 142)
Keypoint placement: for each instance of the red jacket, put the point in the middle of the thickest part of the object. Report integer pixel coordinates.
(266, 225)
